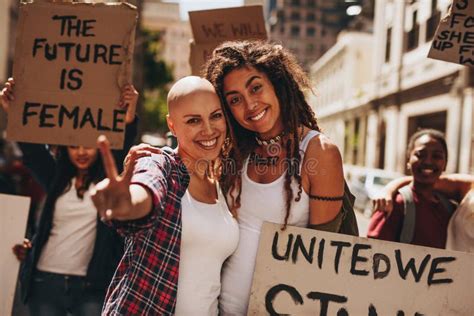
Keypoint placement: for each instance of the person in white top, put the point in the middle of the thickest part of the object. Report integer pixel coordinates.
(209, 235)
(287, 171)
(209, 232)
(461, 225)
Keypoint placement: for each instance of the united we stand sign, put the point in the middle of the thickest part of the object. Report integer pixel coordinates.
(308, 272)
(71, 60)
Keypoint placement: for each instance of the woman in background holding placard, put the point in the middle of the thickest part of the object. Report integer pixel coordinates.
(73, 254)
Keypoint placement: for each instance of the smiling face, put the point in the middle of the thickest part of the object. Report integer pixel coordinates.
(251, 98)
(82, 157)
(427, 159)
(198, 122)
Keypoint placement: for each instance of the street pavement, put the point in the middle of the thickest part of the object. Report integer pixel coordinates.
(363, 223)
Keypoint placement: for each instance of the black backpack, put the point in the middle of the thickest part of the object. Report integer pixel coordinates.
(349, 220)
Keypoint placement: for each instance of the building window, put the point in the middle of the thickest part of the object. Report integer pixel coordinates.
(295, 30)
(311, 17)
(281, 16)
(282, 29)
(356, 142)
(348, 131)
(310, 48)
(382, 135)
(388, 45)
(311, 3)
(295, 3)
(295, 16)
(310, 31)
(433, 20)
(412, 36)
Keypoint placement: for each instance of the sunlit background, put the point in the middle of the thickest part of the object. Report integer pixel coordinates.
(374, 86)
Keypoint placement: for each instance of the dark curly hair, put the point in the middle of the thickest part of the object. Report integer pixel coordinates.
(289, 82)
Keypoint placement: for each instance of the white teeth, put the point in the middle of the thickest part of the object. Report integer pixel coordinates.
(427, 171)
(208, 143)
(258, 116)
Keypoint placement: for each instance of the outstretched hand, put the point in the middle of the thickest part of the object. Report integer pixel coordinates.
(111, 196)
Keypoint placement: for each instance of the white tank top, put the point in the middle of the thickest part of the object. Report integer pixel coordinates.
(209, 235)
(71, 240)
(259, 202)
(461, 226)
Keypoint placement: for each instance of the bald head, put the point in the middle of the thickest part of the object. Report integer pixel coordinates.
(186, 88)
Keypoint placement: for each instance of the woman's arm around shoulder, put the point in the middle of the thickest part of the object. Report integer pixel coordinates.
(455, 185)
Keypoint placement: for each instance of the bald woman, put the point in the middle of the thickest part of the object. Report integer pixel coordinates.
(169, 207)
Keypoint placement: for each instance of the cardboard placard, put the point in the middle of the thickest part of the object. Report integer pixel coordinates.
(307, 272)
(454, 38)
(13, 219)
(212, 27)
(71, 59)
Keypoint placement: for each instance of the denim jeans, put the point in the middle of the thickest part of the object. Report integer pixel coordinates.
(58, 295)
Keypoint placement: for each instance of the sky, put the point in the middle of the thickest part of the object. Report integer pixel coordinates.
(190, 5)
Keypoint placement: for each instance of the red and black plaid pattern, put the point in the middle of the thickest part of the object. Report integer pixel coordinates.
(146, 279)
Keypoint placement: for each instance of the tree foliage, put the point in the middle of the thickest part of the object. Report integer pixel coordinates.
(157, 76)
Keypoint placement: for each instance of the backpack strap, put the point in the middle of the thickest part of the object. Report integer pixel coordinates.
(447, 204)
(345, 222)
(408, 228)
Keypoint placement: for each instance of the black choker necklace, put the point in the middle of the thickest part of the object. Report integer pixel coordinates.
(273, 140)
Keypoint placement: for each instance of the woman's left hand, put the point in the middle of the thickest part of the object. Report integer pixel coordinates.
(21, 250)
(128, 100)
(139, 151)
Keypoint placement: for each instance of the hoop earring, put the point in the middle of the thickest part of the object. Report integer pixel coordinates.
(227, 142)
(225, 147)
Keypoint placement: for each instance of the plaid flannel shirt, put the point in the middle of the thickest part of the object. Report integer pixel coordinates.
(146, 279)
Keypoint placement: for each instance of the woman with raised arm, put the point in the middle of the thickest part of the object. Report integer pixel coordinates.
(71, 259)
(170, 207)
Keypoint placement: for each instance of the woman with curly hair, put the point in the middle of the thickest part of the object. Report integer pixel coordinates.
(280, 168)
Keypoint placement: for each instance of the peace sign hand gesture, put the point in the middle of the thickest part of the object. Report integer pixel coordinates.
(114, 197)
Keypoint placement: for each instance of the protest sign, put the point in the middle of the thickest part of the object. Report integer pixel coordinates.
(308, 272)
(71, 59)
(212, 27)
(454, 38)
(13, 218)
